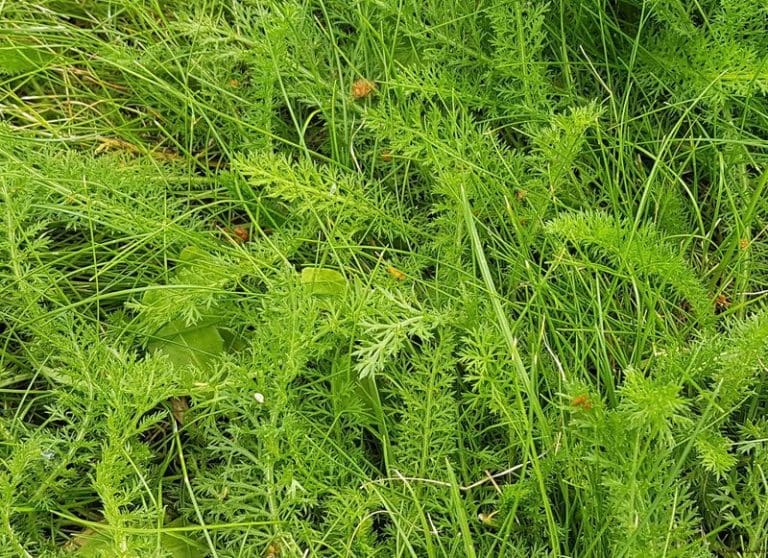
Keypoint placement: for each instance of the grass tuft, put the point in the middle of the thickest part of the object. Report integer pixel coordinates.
(325, 278)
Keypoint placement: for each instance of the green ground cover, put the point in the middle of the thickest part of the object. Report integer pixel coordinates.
(467, 278)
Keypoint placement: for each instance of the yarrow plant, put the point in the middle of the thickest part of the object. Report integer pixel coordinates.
(325, 278)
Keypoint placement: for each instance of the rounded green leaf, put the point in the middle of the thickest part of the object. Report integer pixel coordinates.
(321, 281)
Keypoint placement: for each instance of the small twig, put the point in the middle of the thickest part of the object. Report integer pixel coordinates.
(493, 481)
(432, 525)
(488, 478)
(555, 359)
(496, 475)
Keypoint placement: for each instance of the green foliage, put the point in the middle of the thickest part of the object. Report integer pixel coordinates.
(506, 299)
(185, 345)
(321, 281)
(638, 253)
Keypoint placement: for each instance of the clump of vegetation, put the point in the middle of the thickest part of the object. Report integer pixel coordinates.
(325, 278)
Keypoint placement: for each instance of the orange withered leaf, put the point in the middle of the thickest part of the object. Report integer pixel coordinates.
(395, 273)
(722, 302)
(241, 233)
(743, 243)
(582, 401)
(362, 88)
